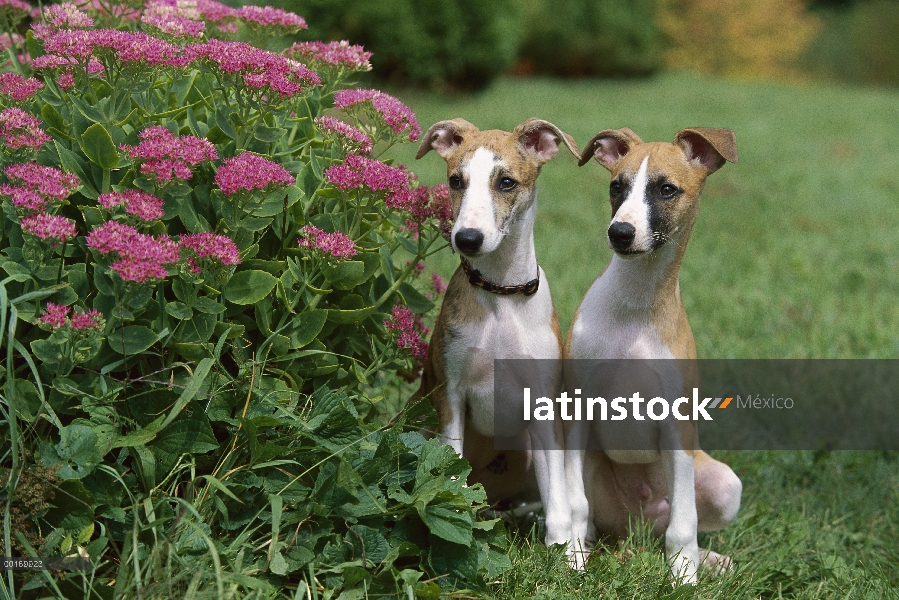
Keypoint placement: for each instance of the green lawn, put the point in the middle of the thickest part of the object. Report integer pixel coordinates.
(795, 255)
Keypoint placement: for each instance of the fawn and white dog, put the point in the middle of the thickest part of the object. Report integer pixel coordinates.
(634, 311)
(497, 306)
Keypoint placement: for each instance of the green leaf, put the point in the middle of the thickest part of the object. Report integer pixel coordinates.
(458, 561)
(255, 223)
(408, 244)
(387, 264)
(216, 135)
(345, 275)
(415, 300)
(306, 326)
(449, 522)
(192, 351)
(73, 506)
(349, 316)
(205, 304)
(140, 437)
(269, 134)
(132, 339)
(179, 310)
(35, 48)
(76, 454)
(72, 162)
(187, 435)
(193, 386)
(98, 146)
(234, 330)
(89, 112)
(52, 117)
(222, 119)
(249, 287)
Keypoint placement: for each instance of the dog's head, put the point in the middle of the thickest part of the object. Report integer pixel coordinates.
(655, 186)
(492, 175)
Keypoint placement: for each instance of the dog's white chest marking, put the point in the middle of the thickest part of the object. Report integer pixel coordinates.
(610, 327)
(509, 330)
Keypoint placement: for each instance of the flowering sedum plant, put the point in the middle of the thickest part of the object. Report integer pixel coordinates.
(207, 268)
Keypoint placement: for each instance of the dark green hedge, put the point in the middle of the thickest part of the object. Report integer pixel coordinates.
(588, 37)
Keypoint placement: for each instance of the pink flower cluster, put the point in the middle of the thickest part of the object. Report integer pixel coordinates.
(208, 246)
(165, 156)
(354, 139)
(259, 69)
(66, 16)
(41, 186)
(17, 87)
(125, 11)
(138, 257)
(337, 54)
(358, 171)
(410, 330)
(438, 284)
(143, 205)
(57, 315)
(337, 244)
(16, 9)
(130, 48)
(425, 203)
(48, 181)
(268, 16)
(65, 66)
(51, 228)
(175, 18)
(395, 114)
(213, 11)
(18, 129)
(248, 172)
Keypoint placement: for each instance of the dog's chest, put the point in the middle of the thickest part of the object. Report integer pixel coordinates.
(508, 328)
(602, 334)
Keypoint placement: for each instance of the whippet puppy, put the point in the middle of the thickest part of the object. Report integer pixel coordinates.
(634, 311)
(497, 306)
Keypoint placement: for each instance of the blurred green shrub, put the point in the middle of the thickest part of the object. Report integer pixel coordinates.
(858, 43)
(586, 37)
(457, 43)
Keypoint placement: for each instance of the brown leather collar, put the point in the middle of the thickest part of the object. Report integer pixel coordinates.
(476, 279)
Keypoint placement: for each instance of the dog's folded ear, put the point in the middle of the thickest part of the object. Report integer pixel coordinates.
(541, 139)
(608, 146)
(709, 147)
(444, 137)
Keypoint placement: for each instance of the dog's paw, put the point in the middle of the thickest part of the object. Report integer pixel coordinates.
(715, 564)
(577, 559)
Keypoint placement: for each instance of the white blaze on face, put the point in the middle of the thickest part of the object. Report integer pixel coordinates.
(478, 209)
(635, 210)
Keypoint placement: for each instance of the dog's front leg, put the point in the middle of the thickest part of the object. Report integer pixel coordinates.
(451, 430)
(575, 448)
(549, 467)
(681, 545)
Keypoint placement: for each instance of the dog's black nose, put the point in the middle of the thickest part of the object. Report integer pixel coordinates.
(468, 240)
(621, 235)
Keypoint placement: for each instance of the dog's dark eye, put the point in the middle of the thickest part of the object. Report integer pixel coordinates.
(507, 184)
(668, 191)
(455, 182)
(615, 188)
